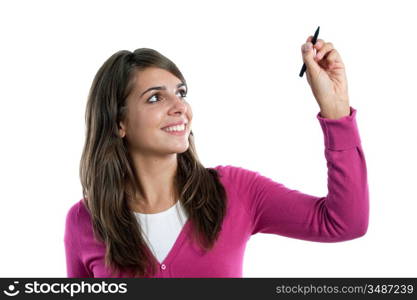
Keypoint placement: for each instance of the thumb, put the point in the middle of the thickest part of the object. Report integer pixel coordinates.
(308, 58)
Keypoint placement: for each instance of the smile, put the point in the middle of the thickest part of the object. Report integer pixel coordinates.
(176, 130)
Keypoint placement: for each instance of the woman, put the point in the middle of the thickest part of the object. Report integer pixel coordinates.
(151, 209)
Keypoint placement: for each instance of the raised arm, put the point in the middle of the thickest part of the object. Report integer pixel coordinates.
(341, 215)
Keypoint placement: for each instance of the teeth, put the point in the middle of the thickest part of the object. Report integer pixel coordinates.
(176, 128)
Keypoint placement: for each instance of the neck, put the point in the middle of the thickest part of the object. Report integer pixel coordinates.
(156, 176)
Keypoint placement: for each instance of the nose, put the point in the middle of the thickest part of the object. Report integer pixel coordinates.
(178, 105)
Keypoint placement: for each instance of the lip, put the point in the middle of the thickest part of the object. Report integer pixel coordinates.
(174, 124)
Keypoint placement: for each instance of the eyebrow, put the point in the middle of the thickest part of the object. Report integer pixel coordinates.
(161, 88)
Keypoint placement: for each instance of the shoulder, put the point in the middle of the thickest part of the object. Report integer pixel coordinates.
(243, 186)
(76, 213)
(245, 180)
(236, 174)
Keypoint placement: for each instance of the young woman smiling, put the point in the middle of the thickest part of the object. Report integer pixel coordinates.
(151, 209)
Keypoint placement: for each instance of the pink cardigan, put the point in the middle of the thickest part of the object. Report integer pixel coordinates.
(256, 204)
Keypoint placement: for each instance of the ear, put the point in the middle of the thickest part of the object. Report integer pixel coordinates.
(122, 130)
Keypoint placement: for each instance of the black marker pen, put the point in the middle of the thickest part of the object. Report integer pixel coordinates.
(313, 41)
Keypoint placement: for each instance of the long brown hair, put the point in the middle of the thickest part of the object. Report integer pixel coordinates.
(108, 177)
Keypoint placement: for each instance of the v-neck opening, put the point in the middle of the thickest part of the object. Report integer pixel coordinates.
(175, 247)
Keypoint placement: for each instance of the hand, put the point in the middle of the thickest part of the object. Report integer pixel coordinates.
(327, 78)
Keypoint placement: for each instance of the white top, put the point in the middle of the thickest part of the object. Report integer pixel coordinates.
(162, 229)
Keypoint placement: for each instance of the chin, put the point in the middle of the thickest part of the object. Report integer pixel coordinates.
(182, 150)
(177, 149)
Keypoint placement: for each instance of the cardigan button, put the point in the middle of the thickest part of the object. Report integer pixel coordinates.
(163, 266)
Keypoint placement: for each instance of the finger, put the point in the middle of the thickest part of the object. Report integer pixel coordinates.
(308, 58)
(334, 57)
(327, 47)
(319, 42)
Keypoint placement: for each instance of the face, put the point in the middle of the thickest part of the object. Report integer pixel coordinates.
(156, 101)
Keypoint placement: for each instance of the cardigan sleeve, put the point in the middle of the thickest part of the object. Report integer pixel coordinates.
(341, 215)
(75, 266)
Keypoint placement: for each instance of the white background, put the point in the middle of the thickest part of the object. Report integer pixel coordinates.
(241, 60)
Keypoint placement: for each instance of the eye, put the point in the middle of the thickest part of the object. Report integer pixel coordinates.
(157, 94)
(183, 93)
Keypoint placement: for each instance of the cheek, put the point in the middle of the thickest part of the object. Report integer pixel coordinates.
(189, 111)
(147, 121)
(138, 124)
